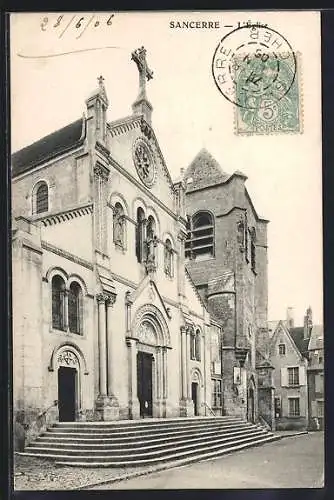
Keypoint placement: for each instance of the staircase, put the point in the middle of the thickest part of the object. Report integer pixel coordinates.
(145, 442)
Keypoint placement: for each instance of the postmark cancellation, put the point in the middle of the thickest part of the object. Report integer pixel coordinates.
(257, 70)
(270, 94)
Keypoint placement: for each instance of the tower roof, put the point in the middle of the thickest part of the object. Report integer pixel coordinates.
(204, 171)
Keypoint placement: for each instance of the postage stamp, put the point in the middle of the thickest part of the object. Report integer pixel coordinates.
(256, 69)
(267, 108)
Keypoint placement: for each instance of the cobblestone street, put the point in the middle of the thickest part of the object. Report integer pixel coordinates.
(38, 474)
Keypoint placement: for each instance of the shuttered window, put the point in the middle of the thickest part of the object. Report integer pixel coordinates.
(294, 407)
(293, 375)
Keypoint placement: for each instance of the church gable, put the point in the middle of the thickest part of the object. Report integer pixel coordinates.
(135, 149)
(148, 293)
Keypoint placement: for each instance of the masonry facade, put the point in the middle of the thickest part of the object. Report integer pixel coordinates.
(226, 255)
(109, 322)
(297, 355)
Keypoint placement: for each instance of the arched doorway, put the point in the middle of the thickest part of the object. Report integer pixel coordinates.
(149, 368)
(196, 390)
(68, 363)
(145, 363)
(68, 385)
(67, 393)
(149, 384)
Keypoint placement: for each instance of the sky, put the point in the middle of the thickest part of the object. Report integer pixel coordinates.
(48, 91)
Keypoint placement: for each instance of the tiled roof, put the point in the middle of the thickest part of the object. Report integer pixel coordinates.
(49, 146)
(204, 171)
(297, 333)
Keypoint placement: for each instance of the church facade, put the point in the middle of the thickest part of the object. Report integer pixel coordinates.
(113, 317)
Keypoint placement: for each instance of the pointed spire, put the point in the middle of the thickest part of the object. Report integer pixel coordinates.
(99, 92)
(204, 170)
(97, 105)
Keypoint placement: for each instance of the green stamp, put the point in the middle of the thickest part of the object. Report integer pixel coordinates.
(267, 94)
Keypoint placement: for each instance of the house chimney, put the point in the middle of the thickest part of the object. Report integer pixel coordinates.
(290, 322)
(308, 323)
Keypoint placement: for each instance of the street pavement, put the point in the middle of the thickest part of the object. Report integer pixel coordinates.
(293, 462)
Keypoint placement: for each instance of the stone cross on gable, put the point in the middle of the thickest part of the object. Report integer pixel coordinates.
(101, 80)
(102, 90)
(139, 57)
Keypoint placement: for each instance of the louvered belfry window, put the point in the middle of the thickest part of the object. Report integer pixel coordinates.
(42, 198)
(58, 303)
(200, 239)
(75, 308)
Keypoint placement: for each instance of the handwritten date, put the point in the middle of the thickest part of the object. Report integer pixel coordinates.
(77, 23)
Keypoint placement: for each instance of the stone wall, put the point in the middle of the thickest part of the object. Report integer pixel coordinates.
(242, 309)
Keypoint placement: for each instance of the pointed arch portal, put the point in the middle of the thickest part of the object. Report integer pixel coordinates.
(149, 345)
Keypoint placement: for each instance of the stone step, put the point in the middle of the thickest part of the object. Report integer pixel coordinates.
(194, 453)
(148, 453)
(135, 440)
(136, 432)
(137, 448)
(145, 424)
(150, 421)
(178, 461)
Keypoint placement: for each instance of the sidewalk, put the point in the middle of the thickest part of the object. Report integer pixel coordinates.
(284, 434)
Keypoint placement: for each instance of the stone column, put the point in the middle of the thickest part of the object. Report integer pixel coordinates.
(103, 406)
(159, 372)
(188, 333)
(180, 264)
(102, 345)
(101, 175)
(66, 322)
(184, 362)
(186, 405)
(133, 397)
(164, 364)
(159, 382)
(112, 359)
(164, 382)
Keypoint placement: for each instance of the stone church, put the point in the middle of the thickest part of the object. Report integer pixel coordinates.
(133, 296)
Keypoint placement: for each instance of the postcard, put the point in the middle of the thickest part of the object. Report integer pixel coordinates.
(166, 232)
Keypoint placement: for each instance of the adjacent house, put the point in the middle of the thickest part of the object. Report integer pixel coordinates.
(290, 380)
(315, 378)
(297, 354)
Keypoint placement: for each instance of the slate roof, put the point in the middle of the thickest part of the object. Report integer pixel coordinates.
(48, 147)
(316, 338)
(204, 171)
(297, 333)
